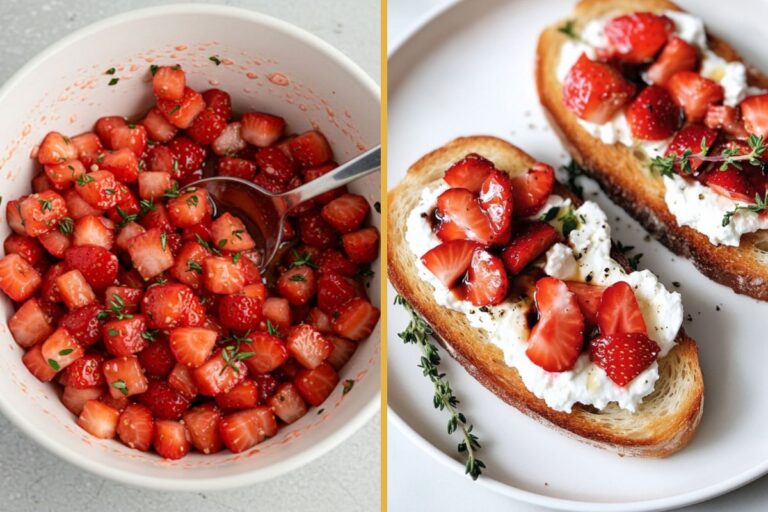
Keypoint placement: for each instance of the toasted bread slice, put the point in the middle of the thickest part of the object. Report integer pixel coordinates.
(664, 422)
(624, 175)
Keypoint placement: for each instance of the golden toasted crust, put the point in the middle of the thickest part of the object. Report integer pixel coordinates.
(664, 422)
(626, 178)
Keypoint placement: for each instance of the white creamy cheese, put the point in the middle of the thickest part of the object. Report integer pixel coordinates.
(588, 254)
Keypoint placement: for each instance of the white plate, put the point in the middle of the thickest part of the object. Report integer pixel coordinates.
(468, 69)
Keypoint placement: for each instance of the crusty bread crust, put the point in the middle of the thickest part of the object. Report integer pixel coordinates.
(664, 422)
(626, 178)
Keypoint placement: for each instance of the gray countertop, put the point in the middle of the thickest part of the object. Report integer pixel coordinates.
(31, 479)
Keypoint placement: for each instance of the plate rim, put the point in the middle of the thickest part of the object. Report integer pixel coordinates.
(425, 22)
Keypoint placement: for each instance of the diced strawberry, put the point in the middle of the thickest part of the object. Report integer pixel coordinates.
(157, 358)
(237, 168)
(83, 324)
(637, 37)
(486, 282)
(61, 349)
(260, 129)
(37, 365)
(310, 149)
(125, 377)
(117, 403)
(188, 267)
(129, 299)
(152, 184)
(531, 241)
(726, 118)
(218, 101)
(98, 189)
(315, 231)
(619, 311)
(275, 187)
(169, 82)
(132, 137)
(693, 93)
(41, 183)
(677, 55)
(269, 353)
(88, 148)
(275, 165)
(122, 163)
(309, 347)
(168, 306)
(595, 91)
(42, 212)
(99, 419)
(460, 218)
(135, 427)
(222, 276)
(334, 261)
(92, 230)
(362, 246)
(314, 173)
(127, 205)
(49, 291)
(104, 127)
(13, 216)
(98, 265)
(277, 311)
(496, 200)
(346, 213)
(229, 233)
(206, 127)
(182, 112)
(161, 159)
(244, 395)
(357, 319)
(77, 207)
(343, 349)
(298, 285)
(623, 356)
(557, 338)
(691, 137)
(124, 337)
(588, 296)
(229, 142)
(164, 402)
(754, 112)
(74, 289)
(653, 115)
(25, 246)
(157, 126)
(316, 385)
(335, 290)
(449, 261)
(267, 386)
(245, 429)
(202, 423)
(55, 149)
(239, 312)
(157, 218)
(150, 253)
(189, 155)
(30, 324)
(287, 403)
(469, 172)
(127, 233)
(192, 346)
(86, 372)
(170, 439)
(190, 208)
(180, 380)
(732, 182)
(217, 375)
(74, 399)
(62, 175)
(55, 242)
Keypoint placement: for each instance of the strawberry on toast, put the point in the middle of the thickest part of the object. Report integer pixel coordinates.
(519, 281)
(671, 123)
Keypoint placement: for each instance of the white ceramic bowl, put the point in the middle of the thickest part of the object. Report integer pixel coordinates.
(266, 65)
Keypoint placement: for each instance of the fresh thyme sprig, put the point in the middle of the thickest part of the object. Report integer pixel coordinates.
(665, 165)
(117, 304)
(418, 332)
(761, 204)
(232, 354)
(573, 171)
(569, 29)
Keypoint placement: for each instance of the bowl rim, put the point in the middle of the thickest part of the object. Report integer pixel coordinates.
(360, 418)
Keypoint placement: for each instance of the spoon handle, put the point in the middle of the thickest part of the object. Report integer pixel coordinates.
(362, 165)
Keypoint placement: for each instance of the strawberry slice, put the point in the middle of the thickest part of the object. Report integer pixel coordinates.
(150, 253)
(558, 336)
(94, 230)
(99, 419)
(202, 423)
(726, 118)
(132, 137)
(37, 365)
(287, 403)
(694, 93)
(496, 200)
(309, 347)
(531, 241)
(25, 246)
(310, 149)
(637, 37)
(449, 261)
(170, 439)
(298, 285)
(240, 312)
(218, 376)
(316, 385)
(486, 283)
(595, 91)
(623, 356)
(653, 115)
(531, 189)
(228, 232)
(191, 346)
(356, 320)
(733, 182)
(86, 372)
(61, 349)
(135, 427)
(343, 349)
(754, 112)
(619, 311)
(55, 242)
(260, 129)
(588, 296)
(62, 175)
(677, 55)
(691, 137)
(229, 141)
(41, 213)
(245, 429)
(461, 217)
(470, 172)
(98, 189)
(277, 311)
(18, 279)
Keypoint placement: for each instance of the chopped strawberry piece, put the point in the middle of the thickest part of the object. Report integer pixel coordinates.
(531, 241)
(461, 218)
(98, 265)
(157, 358)
(124, 337)
(557, 338)
(74, 399)
(25, 246)
(188, 155)
(192, 346)
(157, 126)
(316, 385)
(202, 423)
(314, 230)
(497, 203)
(691, 138)
(170, 439)
(83, 323)
(346, 213)
(229, 142)
(619, 311)
(49, 291)
(126, 235)
(168, 306)
(229, 233)
(150, 253)
(486, 282)
(125, 377)
(218, 101)
(653, 115)
(343, 349)
(218, 375)
(117, 403)
(74, 289)
(41, 183)
(754, 112)
(132, 137)
(55, 242)
(182, 112)
(726, 118)
(245, 429)
(237, 168)
(287, 403)
(277, 311)
(222, 276)
(62, 175)
(261, 130)
(86, 372)
(164, 402)
(531, 189)
(61, 349)
(449, 261)
(732, 182)
(244, 395)
(88, 148)
(42, 212)
(469, 173)
(588, 297)
(55, 149)
(152, 184)
(334, 261)
(275, 165)
(356, 319)
(309, 347)
(694, 93)
(298, 285)
(314, 173)
(135, 427)
(335, 290)
(30, 324)
(169, 83)
(37, 365)
(206, 127)
(677, 55)
(13, 215)
(77, 207)
(104, 127)
(190, 208)
(157, 218)
(180, 380)
(92, 230)
(637, 37)
(99, 419)
(98, 189)
(623, 356)
(126, 206)
(310, 149)
(595, 91)
(122, 163)
(269, 353)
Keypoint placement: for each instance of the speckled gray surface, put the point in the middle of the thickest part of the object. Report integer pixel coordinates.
(31, 479)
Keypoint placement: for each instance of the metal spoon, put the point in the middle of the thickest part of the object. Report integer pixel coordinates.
(264, 212)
